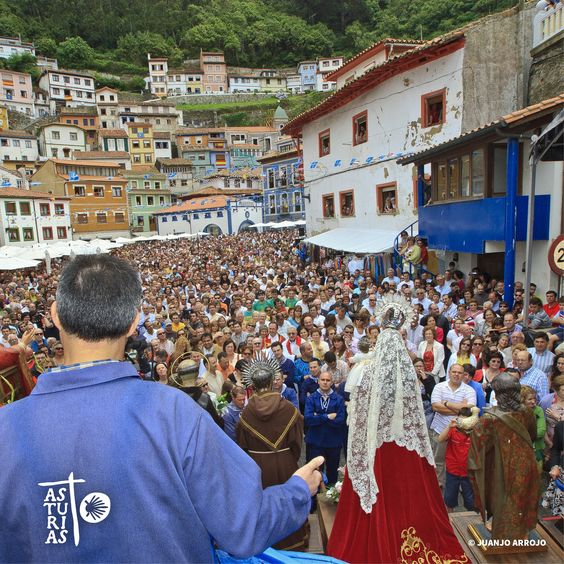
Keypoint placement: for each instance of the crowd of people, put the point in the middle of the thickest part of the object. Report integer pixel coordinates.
(224, 301)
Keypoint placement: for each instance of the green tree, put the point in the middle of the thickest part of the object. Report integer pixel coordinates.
(46, 46)
(75, 53)
(21, 62)
(133, 47)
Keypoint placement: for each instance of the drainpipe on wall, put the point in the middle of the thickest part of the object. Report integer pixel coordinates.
(512, 177)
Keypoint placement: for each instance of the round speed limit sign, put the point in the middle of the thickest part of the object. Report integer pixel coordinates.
(556, 256)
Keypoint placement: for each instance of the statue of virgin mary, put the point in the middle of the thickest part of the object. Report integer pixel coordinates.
(391, 507)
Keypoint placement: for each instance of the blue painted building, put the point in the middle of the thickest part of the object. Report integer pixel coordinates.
(308, 75)
(473, 211)
(283, 189)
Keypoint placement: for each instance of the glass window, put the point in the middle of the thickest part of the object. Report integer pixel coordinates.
(324, 143)
(61, 232)
(387, 197)
(329, 206)
(116, 191)
(119, 217)
(28, 234)
(59, 209)
(44, 209)
(453, 178)
(297, 202)
(99, 191)
(360, 128)
(101, 217)
(48, 233)
(82, 218)
(284, 205)
(10, 208)
(441, 182)
(499, 170)
(433, 108)
(478, 172)
(25, 208)
(80, 191)
(465, 190)
(13, 234)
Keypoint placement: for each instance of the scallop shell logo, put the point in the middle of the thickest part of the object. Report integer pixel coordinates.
(95, 507)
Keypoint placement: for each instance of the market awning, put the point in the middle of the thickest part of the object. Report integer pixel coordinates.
(366, 241)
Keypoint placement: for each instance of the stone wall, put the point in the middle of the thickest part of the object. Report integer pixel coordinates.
(546, 79)
(497, 59)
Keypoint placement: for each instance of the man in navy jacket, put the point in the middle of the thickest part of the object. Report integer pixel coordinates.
(101, 466)
(325, 421)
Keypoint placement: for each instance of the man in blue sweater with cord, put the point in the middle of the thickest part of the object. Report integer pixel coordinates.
(325, 421)
(100, 466)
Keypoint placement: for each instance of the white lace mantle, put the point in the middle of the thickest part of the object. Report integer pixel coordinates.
(385, 406)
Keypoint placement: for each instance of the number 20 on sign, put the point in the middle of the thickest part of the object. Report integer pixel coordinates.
(556, 256)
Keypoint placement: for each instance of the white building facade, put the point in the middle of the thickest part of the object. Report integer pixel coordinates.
(214, 215)
(18, 146)
(30, 217)
(351, 140)
(69, 88)
(61, 140)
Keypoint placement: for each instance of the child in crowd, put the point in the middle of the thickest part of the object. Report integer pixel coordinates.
(529, 399)
(457, 436)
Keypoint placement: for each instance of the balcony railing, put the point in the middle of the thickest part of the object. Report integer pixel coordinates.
(547, 24)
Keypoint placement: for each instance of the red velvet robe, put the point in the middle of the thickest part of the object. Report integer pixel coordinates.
(408, 522)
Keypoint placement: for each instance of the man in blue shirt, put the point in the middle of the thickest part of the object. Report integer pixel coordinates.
(100, 466)
(325, 423)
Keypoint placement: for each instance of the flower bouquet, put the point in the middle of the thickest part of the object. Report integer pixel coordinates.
(333, 493)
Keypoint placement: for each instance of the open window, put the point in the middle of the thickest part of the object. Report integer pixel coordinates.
(324, 143)
(346, 201)
(360, 128)
(433, 108)
(387, 198)
(328, 205)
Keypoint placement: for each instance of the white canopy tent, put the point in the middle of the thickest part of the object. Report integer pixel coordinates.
(365, 241)
(13, 263)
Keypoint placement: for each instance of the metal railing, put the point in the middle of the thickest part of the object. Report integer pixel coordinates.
(398, 259)
(547, 24)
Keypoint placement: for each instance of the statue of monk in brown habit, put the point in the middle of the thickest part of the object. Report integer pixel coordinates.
(502, 466)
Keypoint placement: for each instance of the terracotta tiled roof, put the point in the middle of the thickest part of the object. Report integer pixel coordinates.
(138, 124)
(21, 193)
(79, 110)
(101, 155)
(371, 78)
(199, 130)
(71, 72)
(374, 48)
(239, 173)
(104, 164)
(244, 146)
(509, 119)
(253, 129)
(175, 162)
(84, 177)
(534, 109)
(197, 204)
(213, 191)
(121, 133)
(143, 169)
(16, 133)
